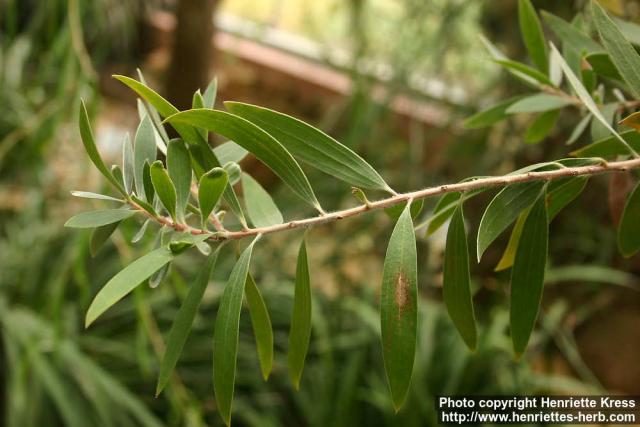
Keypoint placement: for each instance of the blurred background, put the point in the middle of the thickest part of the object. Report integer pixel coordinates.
(393, 80)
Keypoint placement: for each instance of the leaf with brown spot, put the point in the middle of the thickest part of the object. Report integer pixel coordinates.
(398, 307)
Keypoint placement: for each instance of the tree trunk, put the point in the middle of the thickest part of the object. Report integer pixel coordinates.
(192, 56)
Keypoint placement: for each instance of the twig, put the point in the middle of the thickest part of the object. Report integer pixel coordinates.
(496, 181)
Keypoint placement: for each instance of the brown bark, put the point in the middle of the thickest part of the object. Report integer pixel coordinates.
(192, 56)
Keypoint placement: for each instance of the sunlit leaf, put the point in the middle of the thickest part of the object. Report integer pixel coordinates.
(527, 275)
(525, 69)
(164, 188)
(261, 208)
(98, 218)
(183, 321)
(398, 308)
(144, 150)
(211, 187)
(225, 349)
(300, 331)
(209, 96)
(456, 282)
(261, 323)
(509, 253)
(127, 280)
(532, 34)
(312, 146)
(622, 53)
(256, 141)
(90, 195)
(92, 150)
(127, 164)
(503, 210)
(629, 228)
(179, 168)
(538, 103)
(585, 97)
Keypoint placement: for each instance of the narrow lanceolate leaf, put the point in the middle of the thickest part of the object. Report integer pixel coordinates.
(184, 320)
(100, 235)
(211, 187)
(527, 275)
(300, 331)
(90, 195)
(456, 282)
(538, 103)
(164, 187)
(230, 152)
(585, 97)
(532, 35)
(98, 218)
(312, 146)
(526, 70)
(509, 253)
(622, 53)
(92, 150)
(127, 164)
(261, 208)
(127, 280)
(570, 35)
(255, 140)
(603, 65)
(144, 150)
(629, 229)
(179, 168)
(491, 115)
(209, 96)
(503, 210)
(398, 308)
(261, 323)
(225, 348)
(149, 191)
(610, 146)
(541, 126)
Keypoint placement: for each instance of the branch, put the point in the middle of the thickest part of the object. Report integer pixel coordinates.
(496, 181)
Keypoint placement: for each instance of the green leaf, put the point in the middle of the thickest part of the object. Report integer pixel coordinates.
(100, 235)
(92, 150)
(90, 195)
(127, 280)
(234, 172)
(395, 211)
(144, 205)
(179, 168)
(225, 349)
(503, 210)
(497, 54)
(230, 152)
(602, 65)
(127, 164)
(532, 35)
(211, 187)
(144, 150)
(198, 102)
(538, 103)
(147, 184)
(164, 187)
(255, 140)
(598, 131)
(456, 280)
(579, 129)
(491, 115)
(541, 126)
(300, 332)
(611, 146)
(184, 320)
(210, 93)
(398, 308)
(525, 69)
(261, 208)
(509, 254)
(623, 55)
(98, 218)
(261, 323)
(312, 146)
(527, 275)
(570, 35)
(444, 209)
(585, 97)
(561, 192)
(629, 229)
